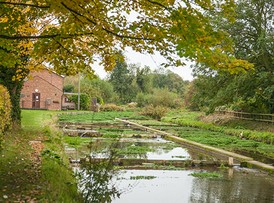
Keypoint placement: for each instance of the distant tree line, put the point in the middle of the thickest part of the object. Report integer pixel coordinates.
(132, 83)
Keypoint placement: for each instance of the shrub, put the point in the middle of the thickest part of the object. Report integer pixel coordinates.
(100, 100)
(5, 112)
(111, 107)
(156, 112)
(142, 99)
(68, 88)
(84, 101)
(160, 97)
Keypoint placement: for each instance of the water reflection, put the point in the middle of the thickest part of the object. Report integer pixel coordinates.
(95, 179)
(245, 186)
(180, 187)
(101, 183)
(151, 149)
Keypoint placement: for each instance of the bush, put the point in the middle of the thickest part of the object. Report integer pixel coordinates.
(156, 112)
(68, 88)
(160, 97)
(5, 112)
(100, 100)
(84, 101)
(111, 107)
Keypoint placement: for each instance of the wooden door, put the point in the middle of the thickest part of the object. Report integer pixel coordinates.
(36, 100)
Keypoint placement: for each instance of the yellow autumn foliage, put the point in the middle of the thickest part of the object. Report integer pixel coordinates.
(5, 111)
(70, 36)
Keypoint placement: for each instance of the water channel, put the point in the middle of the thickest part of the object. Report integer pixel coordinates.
(145, 184)
(235, 185)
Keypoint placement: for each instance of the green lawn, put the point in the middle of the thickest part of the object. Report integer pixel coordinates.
(35, 119)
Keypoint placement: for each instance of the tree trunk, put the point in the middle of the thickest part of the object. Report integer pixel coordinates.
(8, 79)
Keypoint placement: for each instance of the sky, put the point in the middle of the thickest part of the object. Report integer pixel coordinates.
(153, 61)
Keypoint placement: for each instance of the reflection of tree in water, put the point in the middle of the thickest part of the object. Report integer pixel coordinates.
(100, 148)
(241, 187)
(95, 178)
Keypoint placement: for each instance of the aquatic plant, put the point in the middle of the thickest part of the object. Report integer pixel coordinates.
(142, 177)
(206, 175)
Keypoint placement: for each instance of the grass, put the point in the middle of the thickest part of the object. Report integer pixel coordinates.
(36, 119)
(27, 175)
(19, 179)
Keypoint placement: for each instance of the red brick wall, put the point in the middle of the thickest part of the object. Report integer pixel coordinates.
(50, 87)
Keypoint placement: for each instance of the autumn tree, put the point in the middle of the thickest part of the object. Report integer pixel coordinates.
(69, 36)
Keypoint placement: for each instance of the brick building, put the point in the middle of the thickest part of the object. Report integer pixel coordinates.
(43, 90)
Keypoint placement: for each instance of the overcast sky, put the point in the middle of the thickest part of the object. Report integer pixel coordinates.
(153, 61)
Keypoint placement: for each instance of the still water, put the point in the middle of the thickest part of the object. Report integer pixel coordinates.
(236, 185)
(150, 149)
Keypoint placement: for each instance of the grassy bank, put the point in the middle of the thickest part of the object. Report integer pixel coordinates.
(33, 166)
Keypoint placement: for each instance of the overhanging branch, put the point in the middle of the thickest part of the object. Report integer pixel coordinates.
(106, 30)
(24, 4)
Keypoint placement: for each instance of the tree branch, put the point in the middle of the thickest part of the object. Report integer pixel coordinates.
(24, 4)
(158, 4)
(106, 30)
(21, 37)
(62, 36)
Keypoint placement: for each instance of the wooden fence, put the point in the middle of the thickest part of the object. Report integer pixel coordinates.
(250, 116)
